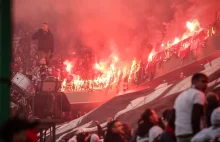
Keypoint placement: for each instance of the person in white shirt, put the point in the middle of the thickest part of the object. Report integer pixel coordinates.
(94, 138)
(148, 129)
(73, 139)
(212, 132)
(189, 106)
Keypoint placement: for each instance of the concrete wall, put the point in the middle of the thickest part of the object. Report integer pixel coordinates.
(93, 97)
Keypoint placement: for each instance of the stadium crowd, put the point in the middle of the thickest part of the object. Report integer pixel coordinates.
(195, 117)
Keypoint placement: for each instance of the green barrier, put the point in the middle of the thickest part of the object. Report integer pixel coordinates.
(5, 58)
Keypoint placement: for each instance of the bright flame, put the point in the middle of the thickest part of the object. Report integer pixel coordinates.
(213, 31)
(150, 57)
(176, 40)
(112, 66)
(97, 66)
(185, 36)
(193, 26)
(68, 65)
(63, 85)
(111, 72)
(190, 26)
(124, 72)
(116, 59)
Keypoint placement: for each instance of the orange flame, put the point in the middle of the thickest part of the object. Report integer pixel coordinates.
(63, 85)
(112, 72)
(193, 26)
(176, 40)
(112, 66)
(190, 26)
(68, 65)
(116, 59)
(150, 57)
(97, 66)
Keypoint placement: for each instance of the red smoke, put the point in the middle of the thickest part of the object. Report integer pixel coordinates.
(114, 27)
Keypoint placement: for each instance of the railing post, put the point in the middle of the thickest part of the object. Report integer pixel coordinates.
(5, 58)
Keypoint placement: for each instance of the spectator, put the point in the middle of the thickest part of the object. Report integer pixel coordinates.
(115, 132)
(17, 130)
(212, 103)
(165, 116)
(189, 107)
(93, 138)
(82, 137)
(73, 139)
(109, 119)
(217, 139)
(212, 132)
(168, 134)
(148, 129)
(99, 130)
(127, 130)
(45, 42)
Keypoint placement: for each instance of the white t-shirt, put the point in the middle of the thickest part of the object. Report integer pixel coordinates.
(154, 132)
(183, 107)
(73, 139)
(206, 134)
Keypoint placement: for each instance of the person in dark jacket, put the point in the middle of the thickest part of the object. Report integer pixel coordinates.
(115, 132)
(45, 42)
(168, 134)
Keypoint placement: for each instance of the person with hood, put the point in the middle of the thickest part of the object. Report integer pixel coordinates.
(45, 42)
(211, 132)
(148, 128)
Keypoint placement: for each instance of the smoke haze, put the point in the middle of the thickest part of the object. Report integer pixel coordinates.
(114, 27)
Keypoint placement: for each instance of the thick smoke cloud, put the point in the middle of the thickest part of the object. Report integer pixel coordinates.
(114, 27)
(202, 10)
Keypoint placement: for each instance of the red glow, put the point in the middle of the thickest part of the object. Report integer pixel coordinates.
(97, 66)
(176, 40)
(112, 68)
(150, 57)
(116, 58)
(68, 65)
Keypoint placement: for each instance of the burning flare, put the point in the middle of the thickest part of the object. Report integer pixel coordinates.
(193, 26)
(68, 65)
(112, 72)
(176, 40)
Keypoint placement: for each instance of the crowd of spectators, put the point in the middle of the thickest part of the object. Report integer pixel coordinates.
(195, 117)
(24, 59)
(180, 124)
